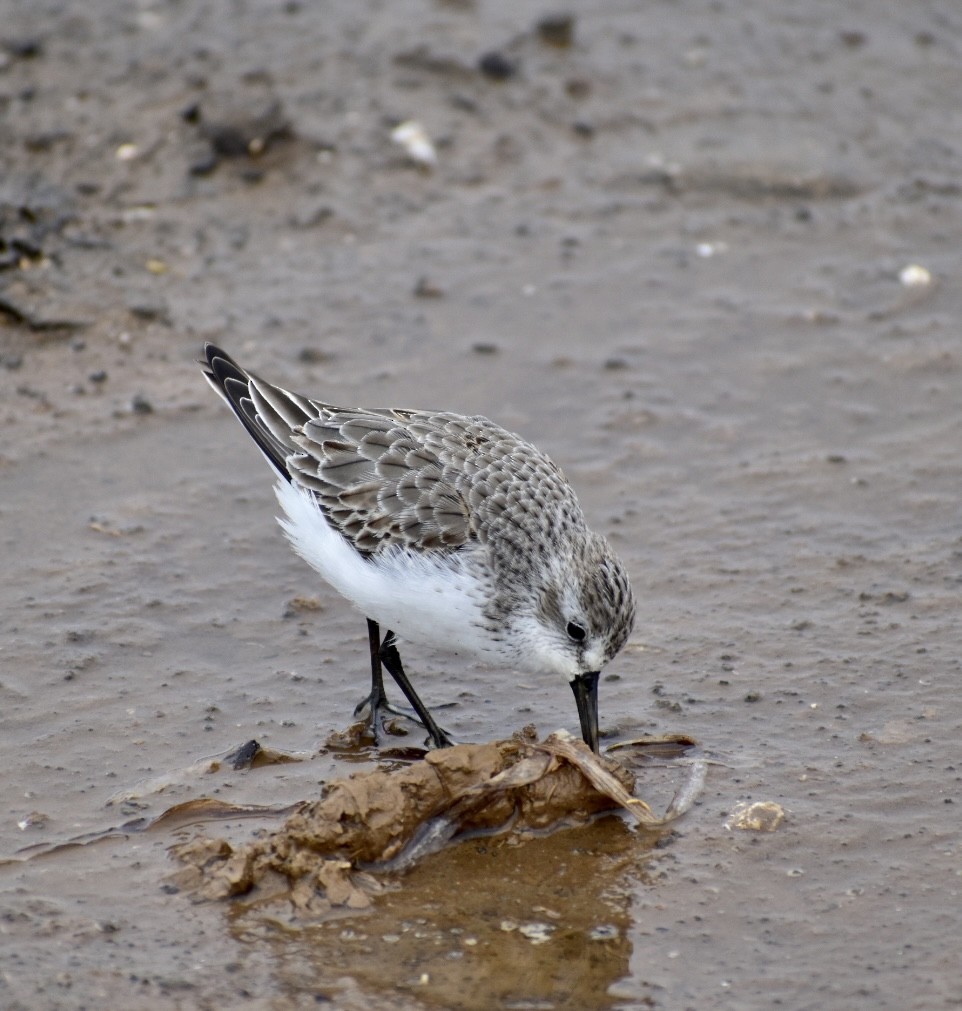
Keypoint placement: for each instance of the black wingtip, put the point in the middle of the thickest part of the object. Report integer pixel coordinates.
(219, 366)
(232, 383)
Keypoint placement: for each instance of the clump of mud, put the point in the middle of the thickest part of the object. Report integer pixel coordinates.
(330, 851)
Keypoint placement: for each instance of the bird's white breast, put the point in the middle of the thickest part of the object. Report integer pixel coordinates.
(433, 598)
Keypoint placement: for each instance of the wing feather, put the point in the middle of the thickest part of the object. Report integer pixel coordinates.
(387, 479)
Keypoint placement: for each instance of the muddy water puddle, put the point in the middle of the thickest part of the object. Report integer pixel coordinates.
(542, 922)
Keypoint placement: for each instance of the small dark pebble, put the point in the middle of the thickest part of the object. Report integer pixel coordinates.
(204, 165)
(258, 75)
(149, 312)
(26, 248)
(312, 217)
(100, 376)
(191, 113)
(426, 288)
(616, 363)
(39, 143)
(227, 140)
(853, 39)
(141, 405)
(557, 30)
(485, 348)
(583, 129)
(753, 697)
(497, 66)
(24, 49)
(463, 102)
(252, 135)
(313, 356)
(577, 87)
(243, 756)
(836, 458)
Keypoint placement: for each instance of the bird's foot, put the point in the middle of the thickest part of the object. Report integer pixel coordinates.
(445, 740)
(380, 719)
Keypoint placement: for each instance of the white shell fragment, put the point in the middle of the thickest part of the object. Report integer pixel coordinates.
(709, 249)
(536, 933)
(762, 816)
(34, 820)
(915, 276)
(412, 136)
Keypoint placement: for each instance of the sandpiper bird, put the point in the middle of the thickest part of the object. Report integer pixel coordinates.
(442, 529)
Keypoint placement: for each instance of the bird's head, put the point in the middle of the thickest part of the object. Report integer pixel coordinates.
(584, 611)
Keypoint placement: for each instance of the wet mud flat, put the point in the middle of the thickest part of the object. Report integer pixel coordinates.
(704, 258)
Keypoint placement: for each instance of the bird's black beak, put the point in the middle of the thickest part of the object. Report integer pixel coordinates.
(585, 687)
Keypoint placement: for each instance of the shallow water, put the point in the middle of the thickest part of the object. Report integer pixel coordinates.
(696, 310)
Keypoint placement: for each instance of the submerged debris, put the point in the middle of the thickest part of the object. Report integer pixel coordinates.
(328, 851)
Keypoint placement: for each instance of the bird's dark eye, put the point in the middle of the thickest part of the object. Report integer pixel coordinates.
(576, 632)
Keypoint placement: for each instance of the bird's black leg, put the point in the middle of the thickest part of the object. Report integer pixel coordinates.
(378, 696)
(391, 659)
(376, 703)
